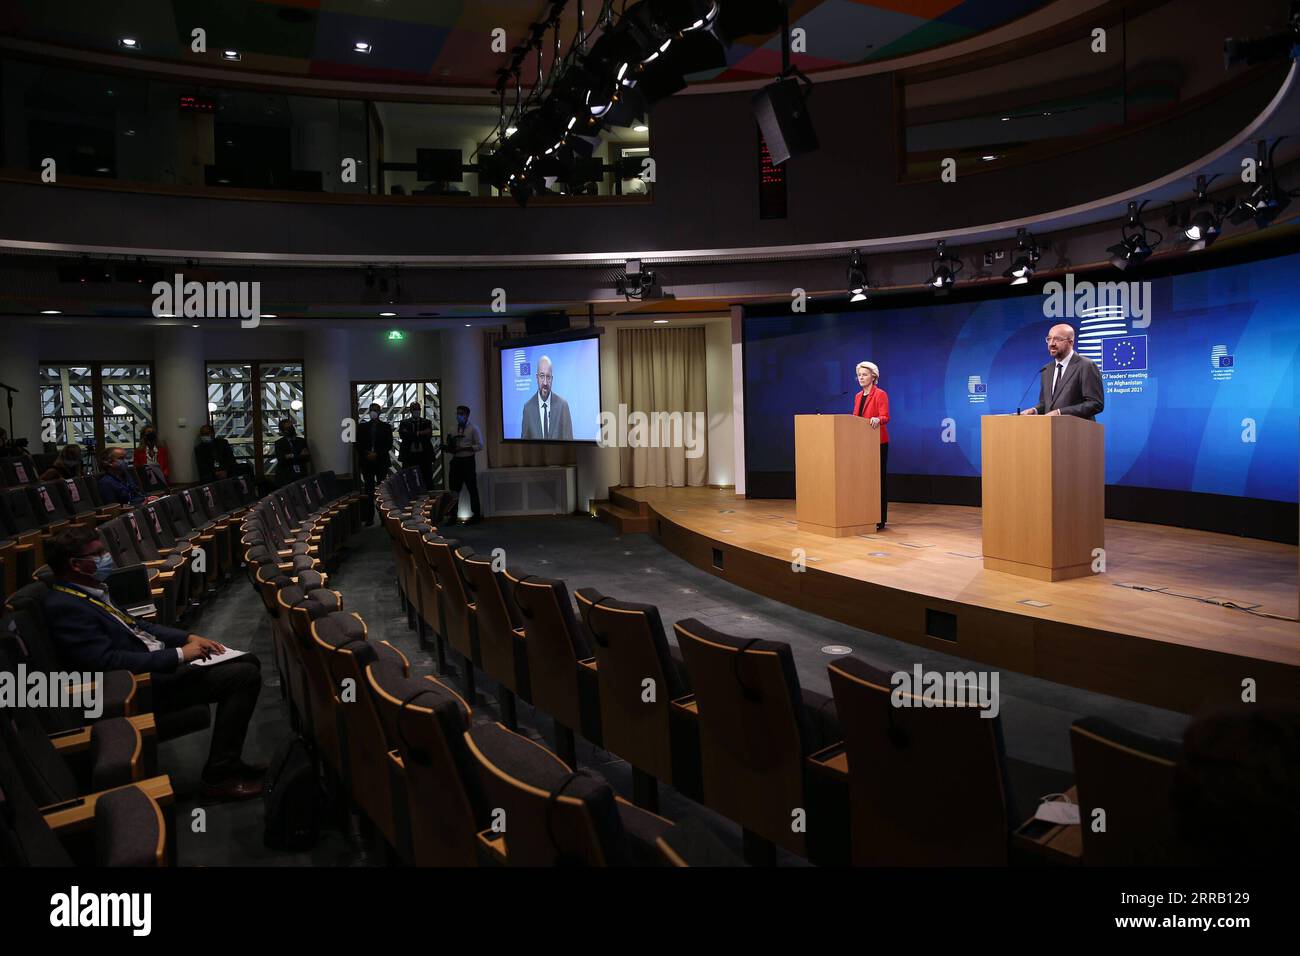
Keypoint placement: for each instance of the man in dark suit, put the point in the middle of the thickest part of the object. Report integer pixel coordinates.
(546, 415)
(292, 456)
(91, 633)
(1071, 383)
(416, 433)
(374, 442)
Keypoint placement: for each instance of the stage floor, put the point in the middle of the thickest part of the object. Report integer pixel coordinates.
(1091, 632)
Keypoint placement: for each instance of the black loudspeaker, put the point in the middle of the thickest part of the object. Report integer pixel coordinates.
(783, 117)
(544, 323)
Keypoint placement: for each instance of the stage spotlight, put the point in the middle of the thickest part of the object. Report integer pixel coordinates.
(857, 276)
(944, 268)
(1268, 198)
(637, 282)
(1022, 268)
(1202, 227)
(1134, 247)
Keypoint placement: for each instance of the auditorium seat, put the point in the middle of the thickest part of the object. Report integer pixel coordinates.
(554, 816)
(929, 785)
(1128, 776)
(657, 739)
(757, 727)
(110, 752)
(16, 470)
(299, 601)
(500, 631)
(561, 668)
(453, 604)
(425, 722)
(374, 783)
(124, 827)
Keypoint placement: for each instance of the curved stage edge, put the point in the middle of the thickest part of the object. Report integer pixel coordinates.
(922, 581)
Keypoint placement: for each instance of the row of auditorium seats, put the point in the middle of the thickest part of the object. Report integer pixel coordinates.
(20, 471)
(73, 792)
(726, 723)
(406, 753)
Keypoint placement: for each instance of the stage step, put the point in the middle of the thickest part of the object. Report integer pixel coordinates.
(617, 497)
(622, 519)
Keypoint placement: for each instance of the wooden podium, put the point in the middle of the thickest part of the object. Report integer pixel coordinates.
(1044, 494)
(836, 474)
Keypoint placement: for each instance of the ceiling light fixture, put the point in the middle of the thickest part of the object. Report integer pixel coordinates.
(232, 55)
(1027, 256)
(943, 268)
(1134, 246)
(857, 277)
(361, 46)
(129, 43)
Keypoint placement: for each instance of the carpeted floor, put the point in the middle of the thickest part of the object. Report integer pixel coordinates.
(1035, 714)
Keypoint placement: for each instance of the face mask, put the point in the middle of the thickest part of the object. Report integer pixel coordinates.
(120, 464)
(103, 566)
(150, 437)
(205, 438)
(462, 419)
(374, 416)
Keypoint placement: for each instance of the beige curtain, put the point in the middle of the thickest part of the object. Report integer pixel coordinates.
(661, 385)
(513, 454)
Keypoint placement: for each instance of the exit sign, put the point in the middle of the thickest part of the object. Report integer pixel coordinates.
(771, 184)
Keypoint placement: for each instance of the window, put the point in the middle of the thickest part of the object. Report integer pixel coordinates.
(394, 398)
(246, 402)
(97, 405)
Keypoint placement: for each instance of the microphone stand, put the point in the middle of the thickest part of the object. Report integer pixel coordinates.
(10, 391)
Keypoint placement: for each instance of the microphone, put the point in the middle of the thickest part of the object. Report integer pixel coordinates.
(1037, 378)
(847, 391)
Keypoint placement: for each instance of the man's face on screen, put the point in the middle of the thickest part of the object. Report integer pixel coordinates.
(544, 378)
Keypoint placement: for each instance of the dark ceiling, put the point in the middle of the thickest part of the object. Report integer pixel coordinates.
(449, 42)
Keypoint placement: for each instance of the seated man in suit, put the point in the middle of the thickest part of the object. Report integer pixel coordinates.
(546, 415)
(91, 633)
(1071, 383)
(118, 484)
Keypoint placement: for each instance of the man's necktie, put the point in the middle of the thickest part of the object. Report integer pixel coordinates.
(1056, 378)
(546, 422)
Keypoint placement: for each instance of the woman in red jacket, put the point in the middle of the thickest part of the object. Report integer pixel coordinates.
(149, 452)
(873, 404)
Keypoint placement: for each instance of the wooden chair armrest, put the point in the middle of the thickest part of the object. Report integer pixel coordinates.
(494, 844)
(77, 740)
(687, 705)
(75, 815)
(832, 760)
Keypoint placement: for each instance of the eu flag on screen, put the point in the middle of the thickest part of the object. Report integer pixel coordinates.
(1126, 353)
(1225, 361)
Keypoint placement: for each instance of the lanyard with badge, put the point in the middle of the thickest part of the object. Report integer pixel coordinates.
(107, 608)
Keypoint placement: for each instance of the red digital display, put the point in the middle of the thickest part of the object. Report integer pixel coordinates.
(771, 184)
(198, 104)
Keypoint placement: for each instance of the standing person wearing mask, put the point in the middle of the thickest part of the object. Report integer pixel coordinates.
(152, 455)
(374, 442)
(416, 433)
(292, 457)
(117, 484)
(214, 456)
(463, 446)
(66, 466)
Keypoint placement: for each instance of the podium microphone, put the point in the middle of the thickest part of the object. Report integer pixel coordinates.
(1037, 378)
(822, 406)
